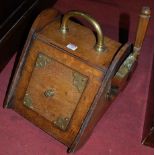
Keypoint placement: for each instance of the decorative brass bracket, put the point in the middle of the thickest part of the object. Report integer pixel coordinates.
(61, 123)
(42, 61)
(27, 100)
(79, 81)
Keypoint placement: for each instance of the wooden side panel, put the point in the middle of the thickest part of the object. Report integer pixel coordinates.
(51, 14)
(101, 103)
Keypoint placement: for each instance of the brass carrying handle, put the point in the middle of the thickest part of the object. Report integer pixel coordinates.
(64, 27)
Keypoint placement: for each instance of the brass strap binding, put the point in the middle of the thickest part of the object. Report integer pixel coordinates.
(100, 47)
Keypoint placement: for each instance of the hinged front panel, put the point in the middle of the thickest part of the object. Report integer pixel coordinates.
(54, 90)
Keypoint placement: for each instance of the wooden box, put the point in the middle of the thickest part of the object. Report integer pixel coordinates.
(67, 77)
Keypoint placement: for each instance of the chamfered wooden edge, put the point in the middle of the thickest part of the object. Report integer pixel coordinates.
(121, 55)
(42, 20)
